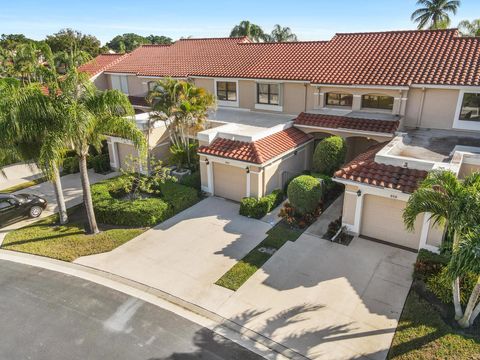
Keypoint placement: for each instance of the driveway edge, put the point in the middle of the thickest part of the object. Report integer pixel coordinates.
(243, 336)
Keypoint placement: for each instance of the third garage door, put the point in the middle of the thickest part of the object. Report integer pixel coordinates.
(382, 220)
(230, 182)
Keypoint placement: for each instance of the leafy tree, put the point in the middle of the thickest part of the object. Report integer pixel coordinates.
(246, 28)
(183, 107)
(69, 40)
(469, 28)
(454, 204)
(11, 41)
(32, 62)
(127, 42)
(24, 125)
(434, 14)
(282, 34)
(156, 39)
(81, 116)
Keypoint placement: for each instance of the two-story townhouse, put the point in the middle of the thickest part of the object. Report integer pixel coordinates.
(405, 101)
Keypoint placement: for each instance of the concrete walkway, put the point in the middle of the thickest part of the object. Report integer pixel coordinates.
(333, 212)
(16, 174)
(72, 191)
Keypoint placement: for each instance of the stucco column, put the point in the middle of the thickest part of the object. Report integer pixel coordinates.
(425, 229)
(247, 193)
(114, 155)
(358, 214)
(320, 100)
(211, 188)
(357, 102)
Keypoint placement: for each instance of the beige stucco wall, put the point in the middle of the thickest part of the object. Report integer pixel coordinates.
(125, 152)
(295, 97)
(435, 235)
(349, 206)
(345, 134)
(136, 86)
(438, 108)
(101, 82)
(203, 172)
(467, 169)
(207, 84)
(246, 94)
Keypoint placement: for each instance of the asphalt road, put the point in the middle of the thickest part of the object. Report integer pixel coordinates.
(46, 315)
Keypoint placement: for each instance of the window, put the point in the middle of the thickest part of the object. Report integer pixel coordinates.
(226, 90)
(337, 99)
(120, 82)
(151, 85)
(268, 94)
(377, 102)
(4, 205)
(470, 110)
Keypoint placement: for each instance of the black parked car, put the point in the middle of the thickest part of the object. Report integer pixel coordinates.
(16, 207)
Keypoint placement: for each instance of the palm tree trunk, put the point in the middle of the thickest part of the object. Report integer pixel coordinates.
(465, 320)
(475, 313)
(57, 187)
(87, 196)
(456, 285)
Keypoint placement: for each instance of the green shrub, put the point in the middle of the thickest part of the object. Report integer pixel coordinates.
(100, 163)
(178, 196)
(329, 155)
(258, 208)
(441, 285)
(304, 193)
(139, 212)
(428, 263)
(328, 183)
(193, 180)
(71, 165)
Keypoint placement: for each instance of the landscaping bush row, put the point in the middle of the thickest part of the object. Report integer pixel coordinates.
(111, 209)
(258, 208)
(100, 164)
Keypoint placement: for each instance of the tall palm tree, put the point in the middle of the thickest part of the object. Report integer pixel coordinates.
(469, 28)
(82, 116)
(434, 14)
(282, 34)
(246, 28)
(452, 203)
(24, 124)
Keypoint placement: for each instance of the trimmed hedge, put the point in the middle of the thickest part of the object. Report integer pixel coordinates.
(193, 180)
(258, 208)
(329, 155)
(140, 212)
(100, 163)
(304, 193)
(71, 165)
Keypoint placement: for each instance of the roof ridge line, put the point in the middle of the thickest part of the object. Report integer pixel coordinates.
(396, 31)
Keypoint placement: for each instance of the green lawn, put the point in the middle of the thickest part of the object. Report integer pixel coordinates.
(422, 334)
(24, 185)
(68, 242)
(241, 271)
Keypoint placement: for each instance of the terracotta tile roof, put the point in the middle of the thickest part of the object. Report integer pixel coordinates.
(350, 123)
(394, 58)
(138, 101)
(365, 170)
(101, 63)
(258, 151)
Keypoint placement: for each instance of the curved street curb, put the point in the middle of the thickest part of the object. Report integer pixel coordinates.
(243, 336)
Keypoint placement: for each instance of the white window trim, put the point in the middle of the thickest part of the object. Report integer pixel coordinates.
(224, 103)
(270, 107)
(463, 124)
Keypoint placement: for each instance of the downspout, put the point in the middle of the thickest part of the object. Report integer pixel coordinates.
(420, 110)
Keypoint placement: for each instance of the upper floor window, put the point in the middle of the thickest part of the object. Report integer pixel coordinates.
(268, 94)
(227, 90)
(470, 110)
(377, 102)
(152, 85)
(339, 99)
(120, 82)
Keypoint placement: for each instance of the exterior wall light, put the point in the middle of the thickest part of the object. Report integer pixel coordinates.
(359, 192)
(207, 162)
(248, 170)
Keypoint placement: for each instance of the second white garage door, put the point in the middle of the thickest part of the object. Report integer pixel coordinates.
(382, 220)
(230, 182)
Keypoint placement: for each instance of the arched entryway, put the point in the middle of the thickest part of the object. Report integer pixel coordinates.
(357, 145)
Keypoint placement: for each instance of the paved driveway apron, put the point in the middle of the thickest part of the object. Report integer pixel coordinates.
(186, 254)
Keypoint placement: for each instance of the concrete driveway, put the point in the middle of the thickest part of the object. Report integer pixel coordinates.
(186, 254)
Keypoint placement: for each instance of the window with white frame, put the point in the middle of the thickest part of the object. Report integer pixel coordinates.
(268, 94)
(470, 108)
(339, 99)
(120, 82)
(227, 90)
(382, 102)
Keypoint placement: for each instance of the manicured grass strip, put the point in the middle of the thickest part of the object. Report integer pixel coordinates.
(241, 271)
(67, 242)
(422, 334)
(24, 185)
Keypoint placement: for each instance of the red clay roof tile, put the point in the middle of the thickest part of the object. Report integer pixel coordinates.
(344, 122)
(363, 169)
(101, 63)
(258, 151)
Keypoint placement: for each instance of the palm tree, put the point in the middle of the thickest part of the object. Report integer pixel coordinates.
(246, 28)
(183, 107)
(452, 203)
(24, 125)
(469, 28)
(82, 116)
(434, 14)
(282, 34)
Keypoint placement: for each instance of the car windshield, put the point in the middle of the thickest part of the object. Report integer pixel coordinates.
(19, 198)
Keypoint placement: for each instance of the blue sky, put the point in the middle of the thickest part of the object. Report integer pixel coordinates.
(309, 19)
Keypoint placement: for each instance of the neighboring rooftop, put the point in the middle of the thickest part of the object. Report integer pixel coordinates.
(347, 123)
(258, 151)
(101, 63)
(363, 169)
(393, 58)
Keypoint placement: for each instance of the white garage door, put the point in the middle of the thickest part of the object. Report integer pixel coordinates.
(230, 182)
(382, 220)
(126, 153)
